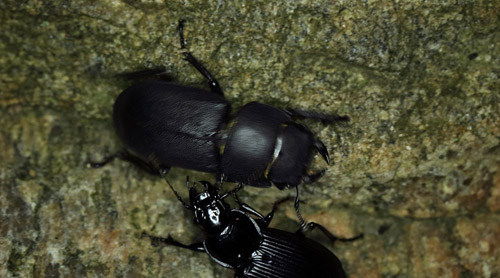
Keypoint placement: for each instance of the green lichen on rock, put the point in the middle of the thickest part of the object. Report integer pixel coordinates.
(416, 170)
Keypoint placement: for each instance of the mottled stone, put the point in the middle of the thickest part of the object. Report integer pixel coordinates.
(416, 170)
(478, 244)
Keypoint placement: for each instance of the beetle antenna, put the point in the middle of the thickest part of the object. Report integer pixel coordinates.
(303, 225)
(163, 174)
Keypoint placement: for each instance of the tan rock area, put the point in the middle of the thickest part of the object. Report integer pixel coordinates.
(416, 170)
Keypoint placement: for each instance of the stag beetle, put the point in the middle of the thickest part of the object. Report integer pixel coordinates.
(163, 124)
(236, 240)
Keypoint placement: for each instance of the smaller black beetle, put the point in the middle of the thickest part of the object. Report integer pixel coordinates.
(236, 240)
(163, 124)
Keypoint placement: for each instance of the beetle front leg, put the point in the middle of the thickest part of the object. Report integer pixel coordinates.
(212, 82)
(155, 241)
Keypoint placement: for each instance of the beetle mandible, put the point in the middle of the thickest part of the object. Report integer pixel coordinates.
(163, 124)
(236, 240)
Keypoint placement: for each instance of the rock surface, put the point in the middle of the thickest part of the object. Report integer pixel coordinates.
(416, 170)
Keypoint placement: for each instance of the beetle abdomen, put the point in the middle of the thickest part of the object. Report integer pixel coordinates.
(171, 125)
(283, 254)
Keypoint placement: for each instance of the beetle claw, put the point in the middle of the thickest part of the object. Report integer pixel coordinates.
(322, 150)
(314, 177)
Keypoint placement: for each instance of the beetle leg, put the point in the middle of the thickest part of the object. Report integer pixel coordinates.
(212, 82)
(262, 220)
(311, 225)
(124, 155)
(243, 206)
(267, 219)
(246, 208)
(159, 73)
(312, 178)
(296, 204)
(325, 118)
(322, 150)
(155, 241)
(163, 173)
(106, 160)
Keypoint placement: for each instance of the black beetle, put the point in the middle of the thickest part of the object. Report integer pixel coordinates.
(163, 124)
(247, 245)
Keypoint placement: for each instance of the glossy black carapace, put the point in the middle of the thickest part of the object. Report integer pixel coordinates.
(236, 240)
(163, 124)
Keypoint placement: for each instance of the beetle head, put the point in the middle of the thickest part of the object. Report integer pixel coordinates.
(210, 210)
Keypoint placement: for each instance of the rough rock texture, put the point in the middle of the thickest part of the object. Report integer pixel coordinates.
(416, 170)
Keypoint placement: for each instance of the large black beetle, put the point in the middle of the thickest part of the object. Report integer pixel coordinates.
(163, 124)
(236, 240)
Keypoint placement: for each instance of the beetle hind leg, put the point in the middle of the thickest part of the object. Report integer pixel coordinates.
(159, 73)
(312, 225)
(321, 148)
(155, 241)
(325, 118)
(106, 160)
(125, 155)
(212, 82)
